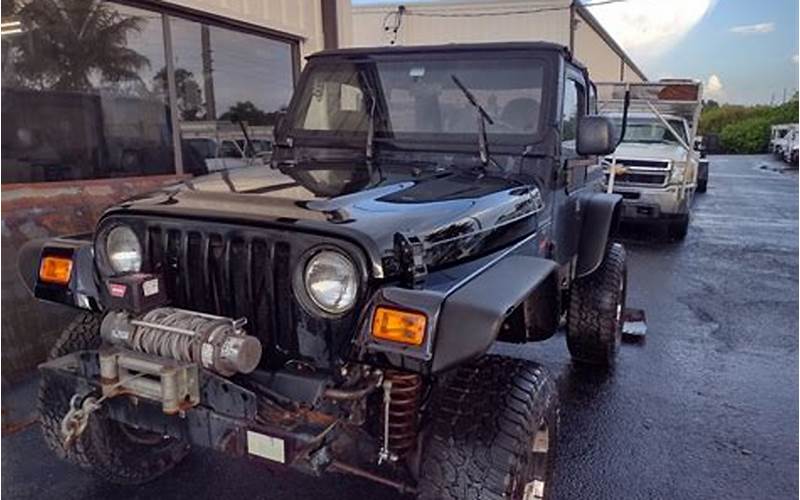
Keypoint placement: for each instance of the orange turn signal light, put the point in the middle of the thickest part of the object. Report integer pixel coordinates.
(405, 327)
(55, 269)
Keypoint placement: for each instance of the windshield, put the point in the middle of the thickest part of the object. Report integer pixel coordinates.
(646, 130)
(418, 99)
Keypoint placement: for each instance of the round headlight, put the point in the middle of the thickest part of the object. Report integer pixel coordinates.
(331, 281)
(124, 250)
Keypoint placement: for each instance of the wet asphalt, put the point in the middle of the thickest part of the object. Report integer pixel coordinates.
(705, 408)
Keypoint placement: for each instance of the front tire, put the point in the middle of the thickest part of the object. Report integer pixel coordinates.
(110, 450)
(597, 301)
(494, 433)
(678, 229)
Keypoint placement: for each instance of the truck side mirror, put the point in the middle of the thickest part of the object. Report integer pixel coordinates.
(596, 136)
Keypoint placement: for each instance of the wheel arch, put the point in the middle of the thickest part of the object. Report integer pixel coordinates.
(601, 217)
(471, 318)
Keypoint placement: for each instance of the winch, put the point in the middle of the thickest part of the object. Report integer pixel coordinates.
(216, 343)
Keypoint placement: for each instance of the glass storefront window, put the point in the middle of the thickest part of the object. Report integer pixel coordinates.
(78, 98)
(86, 94)
(227, 83)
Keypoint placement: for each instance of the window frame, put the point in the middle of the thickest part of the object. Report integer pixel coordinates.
(582, 104)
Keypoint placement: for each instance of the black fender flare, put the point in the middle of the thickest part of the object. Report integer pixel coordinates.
(601, 214)
(471, 317)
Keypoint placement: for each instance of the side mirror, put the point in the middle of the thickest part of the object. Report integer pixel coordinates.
(596, 136)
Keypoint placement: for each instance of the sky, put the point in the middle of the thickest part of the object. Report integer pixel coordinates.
(745, 51)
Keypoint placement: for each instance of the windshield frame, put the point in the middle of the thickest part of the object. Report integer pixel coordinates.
(548, 60)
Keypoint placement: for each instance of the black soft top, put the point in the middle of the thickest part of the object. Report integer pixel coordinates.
(450, 47)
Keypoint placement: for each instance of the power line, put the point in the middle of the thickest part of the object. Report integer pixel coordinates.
(410, 12)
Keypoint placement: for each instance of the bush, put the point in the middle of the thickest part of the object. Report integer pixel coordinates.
(745, 129)
(748, 136)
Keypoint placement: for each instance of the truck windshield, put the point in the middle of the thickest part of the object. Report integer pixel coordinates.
(651, 130)
(418, 100)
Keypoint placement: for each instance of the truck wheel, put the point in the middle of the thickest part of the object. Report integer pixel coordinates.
(702, 185)
(678, 228)
(112, 451)
(597, 301)
(494, 433)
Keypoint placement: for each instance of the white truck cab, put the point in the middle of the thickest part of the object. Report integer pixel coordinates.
(780, 136)
(790, 149)
(655, 167)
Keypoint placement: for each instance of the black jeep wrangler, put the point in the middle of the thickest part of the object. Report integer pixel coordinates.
(333, 311)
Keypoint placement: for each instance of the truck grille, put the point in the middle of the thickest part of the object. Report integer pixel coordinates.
(232, 273)
(642, 172)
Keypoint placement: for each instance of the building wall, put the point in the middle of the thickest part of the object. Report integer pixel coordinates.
(299, 18)
(420, 28)
(604, 63)
(475, 22)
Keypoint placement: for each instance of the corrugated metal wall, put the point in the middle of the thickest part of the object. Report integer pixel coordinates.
(510, 20)
(422, 26)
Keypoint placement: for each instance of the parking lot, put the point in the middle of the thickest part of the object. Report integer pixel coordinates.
(705, 408)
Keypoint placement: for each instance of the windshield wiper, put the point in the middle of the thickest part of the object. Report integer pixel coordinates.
(483, 117)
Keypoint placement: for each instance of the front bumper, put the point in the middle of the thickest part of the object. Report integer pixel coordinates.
(228, 417)
(653, 203)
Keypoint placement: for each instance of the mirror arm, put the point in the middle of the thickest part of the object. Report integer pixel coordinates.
(625, 106)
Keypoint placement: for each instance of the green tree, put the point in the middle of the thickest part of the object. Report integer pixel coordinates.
(189, 95)
(246, 111)
(66, 42)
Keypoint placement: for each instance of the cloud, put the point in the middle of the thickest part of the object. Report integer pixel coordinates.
(754, 29)
(714, 89)
(714, 85)
(648, 28)
(794, 58)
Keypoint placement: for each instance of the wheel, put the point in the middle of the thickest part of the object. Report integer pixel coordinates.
(110, 450)
(597, 301)
(494, 433)
(678, 228)
(702, 185)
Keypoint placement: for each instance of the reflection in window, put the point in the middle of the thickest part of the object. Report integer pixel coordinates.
(78, 94)
(569, 113)
(228, 83)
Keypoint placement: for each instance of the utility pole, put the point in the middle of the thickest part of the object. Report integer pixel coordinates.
(208, 72)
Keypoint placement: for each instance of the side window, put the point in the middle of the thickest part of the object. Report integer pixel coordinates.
(571, 112)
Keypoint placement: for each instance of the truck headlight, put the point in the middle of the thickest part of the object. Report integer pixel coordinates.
(331, 281)
(678, 171)
(123, 250)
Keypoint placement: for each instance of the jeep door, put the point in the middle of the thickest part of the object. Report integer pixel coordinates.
(575, 173)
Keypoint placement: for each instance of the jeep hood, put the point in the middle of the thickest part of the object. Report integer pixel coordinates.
(455, 214)
(650, 151)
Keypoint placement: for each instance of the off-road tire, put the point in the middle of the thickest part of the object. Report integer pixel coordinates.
(106, 448)
(702, 185)
(597, 302)
(678, 228)
(487, 433)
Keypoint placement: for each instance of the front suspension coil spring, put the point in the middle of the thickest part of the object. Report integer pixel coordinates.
(406, 397)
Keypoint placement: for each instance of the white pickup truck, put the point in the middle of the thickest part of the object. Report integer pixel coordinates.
(780, 138)
(655, 167)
